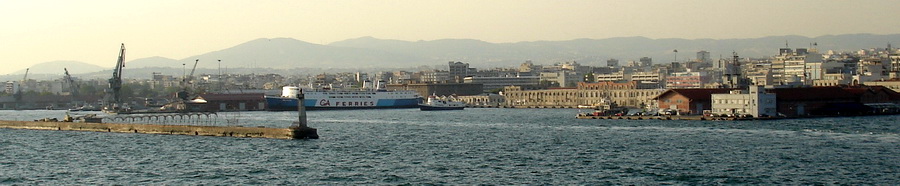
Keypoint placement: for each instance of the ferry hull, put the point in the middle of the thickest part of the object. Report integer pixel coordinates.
(431, 108)
(290, 104)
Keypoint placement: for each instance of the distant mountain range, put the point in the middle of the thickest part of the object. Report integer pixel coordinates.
(57, 67)
(281, 54)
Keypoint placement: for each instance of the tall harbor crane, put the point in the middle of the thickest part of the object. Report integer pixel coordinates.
(191, 76)
(185, 94)
(115, 83)
(72, 86)
(18, 94)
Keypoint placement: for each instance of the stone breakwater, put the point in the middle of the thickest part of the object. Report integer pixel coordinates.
(227, 131)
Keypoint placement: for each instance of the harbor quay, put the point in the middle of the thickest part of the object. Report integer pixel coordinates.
(299, 129)
(225, 131)
(673, 117)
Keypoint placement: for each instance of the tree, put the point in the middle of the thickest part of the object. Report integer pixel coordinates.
(89, 90)
(126, 91)
(170, 91)
(589, 77)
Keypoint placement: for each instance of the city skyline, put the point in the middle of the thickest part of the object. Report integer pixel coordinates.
(42, 31)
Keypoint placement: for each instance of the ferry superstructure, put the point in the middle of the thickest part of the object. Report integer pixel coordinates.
(326, 98)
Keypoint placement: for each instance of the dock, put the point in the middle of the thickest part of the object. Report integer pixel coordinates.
(226, 131)
(672, 117)
(298, 130)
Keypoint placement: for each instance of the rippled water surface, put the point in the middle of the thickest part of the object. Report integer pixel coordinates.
(473, 146)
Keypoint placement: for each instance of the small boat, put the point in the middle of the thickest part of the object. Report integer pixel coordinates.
(435, 103)
(86, 107)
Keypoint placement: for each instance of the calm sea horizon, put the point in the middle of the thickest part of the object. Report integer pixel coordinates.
(471, 146)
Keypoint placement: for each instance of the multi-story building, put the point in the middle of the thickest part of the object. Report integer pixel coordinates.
(440, 89)
(759, 74)
(629, 94)
(790, 66)
(11, 87)
(564, 78)
(546, 98)
(832, 79)
(622, 94)
(703, 57)
(894, 72)
(615, 77)
(649, 77)
(529, 69)
(646, 61)
(755, 101)
(687, 79)
(687, 101)
(324, 79)
(361, 77)
(872, 69)
(494, 83)
(459, 70)
(435, 76)
(612, 63)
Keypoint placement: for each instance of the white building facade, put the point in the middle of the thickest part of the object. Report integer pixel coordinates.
(755, 102)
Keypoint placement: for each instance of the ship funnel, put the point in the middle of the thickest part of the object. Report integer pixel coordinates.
(290, 91)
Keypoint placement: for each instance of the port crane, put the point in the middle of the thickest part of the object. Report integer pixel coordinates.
(184, 94)
(74, 87)
(190, 78)
(115, 83)
(18, 94)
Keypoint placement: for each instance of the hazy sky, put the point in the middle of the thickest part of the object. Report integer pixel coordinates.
(37, 31)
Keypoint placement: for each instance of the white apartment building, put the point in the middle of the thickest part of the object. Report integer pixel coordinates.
(647, 76)
(615, 77)
(435, 76)
(895, 66)
(802, 65)
(755, 102)
(872, 69)
(11, 87)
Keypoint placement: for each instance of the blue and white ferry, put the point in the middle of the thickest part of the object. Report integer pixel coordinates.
(326, 98)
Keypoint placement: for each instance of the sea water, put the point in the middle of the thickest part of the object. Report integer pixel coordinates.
(471, 146)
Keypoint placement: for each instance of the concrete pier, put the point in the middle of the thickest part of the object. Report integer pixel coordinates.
(299, 130)
(673, 117)
(228, 131)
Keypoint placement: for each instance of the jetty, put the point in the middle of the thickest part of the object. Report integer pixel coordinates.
(299, 129)
(674, 117)
(228, 131)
